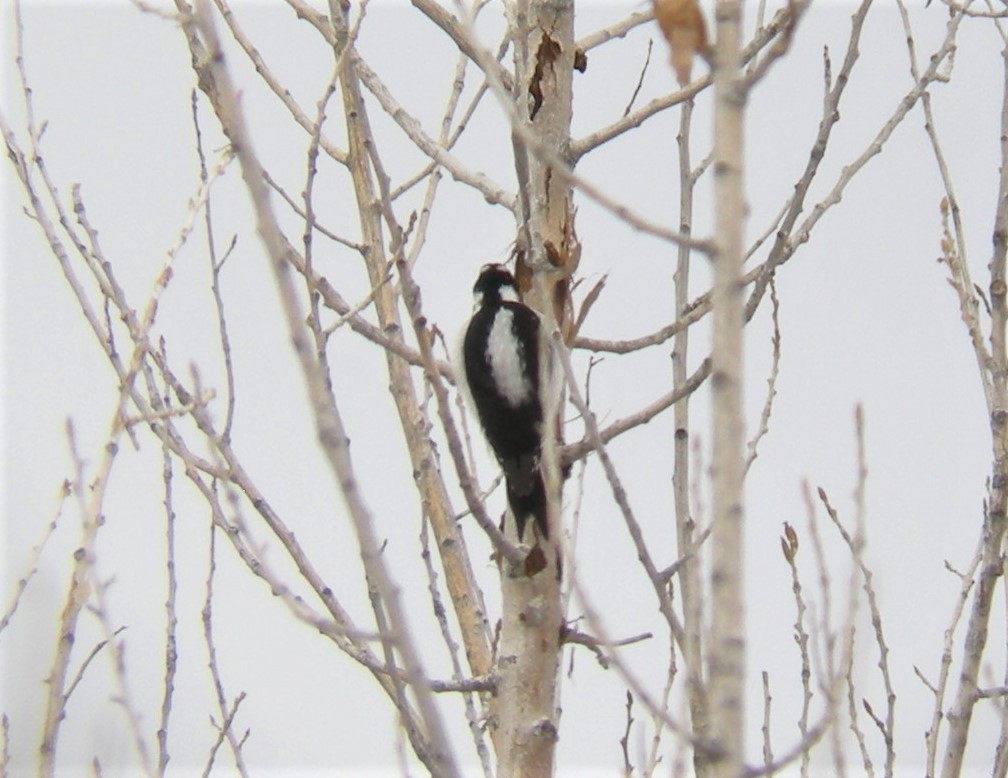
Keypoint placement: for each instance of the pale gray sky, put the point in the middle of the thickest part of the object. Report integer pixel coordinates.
(866, 314)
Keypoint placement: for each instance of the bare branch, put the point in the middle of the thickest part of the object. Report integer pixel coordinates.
(764, 36)
(329, 423)
(619, 495)
(282, 94)
(767, 699)
(33, 561)
(764, 422)
(615, 30)
(225, 731)
(171, 612)
(461, 38)
(575, 451)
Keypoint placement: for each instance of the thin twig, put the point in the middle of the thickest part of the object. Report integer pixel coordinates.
(767, 699)
(640, 80)
(79, 675)
(627, 767)
(225, 731)
(215, 673)
(476, 730)
(283, 94)
(764, 421)
(433, 746)
(34, 557)
(789, 545)
(575, 451)
(633, 526)
(592, 141)
(171, 614)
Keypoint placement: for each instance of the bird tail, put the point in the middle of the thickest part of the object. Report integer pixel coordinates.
(529, 501)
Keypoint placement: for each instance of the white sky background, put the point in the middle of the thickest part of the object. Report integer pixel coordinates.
(866, 316)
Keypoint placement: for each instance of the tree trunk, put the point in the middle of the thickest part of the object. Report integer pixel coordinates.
(726, 658)
(527, 712)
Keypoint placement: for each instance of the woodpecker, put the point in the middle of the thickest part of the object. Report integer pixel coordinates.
(500, 357)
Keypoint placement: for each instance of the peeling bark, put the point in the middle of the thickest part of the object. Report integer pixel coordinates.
(526, 713)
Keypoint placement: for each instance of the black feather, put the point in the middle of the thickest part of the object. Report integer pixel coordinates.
(511, 421)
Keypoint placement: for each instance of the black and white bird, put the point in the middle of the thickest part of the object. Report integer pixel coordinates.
(500, 357)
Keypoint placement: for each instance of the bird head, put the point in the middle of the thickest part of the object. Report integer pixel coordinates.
(494, 285)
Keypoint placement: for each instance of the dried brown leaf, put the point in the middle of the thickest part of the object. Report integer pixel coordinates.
(683, 25)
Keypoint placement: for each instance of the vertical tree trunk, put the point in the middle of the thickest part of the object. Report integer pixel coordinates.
(726, 652)
(528, 661)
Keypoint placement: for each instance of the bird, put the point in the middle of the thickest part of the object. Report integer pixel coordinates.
(500, 358)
